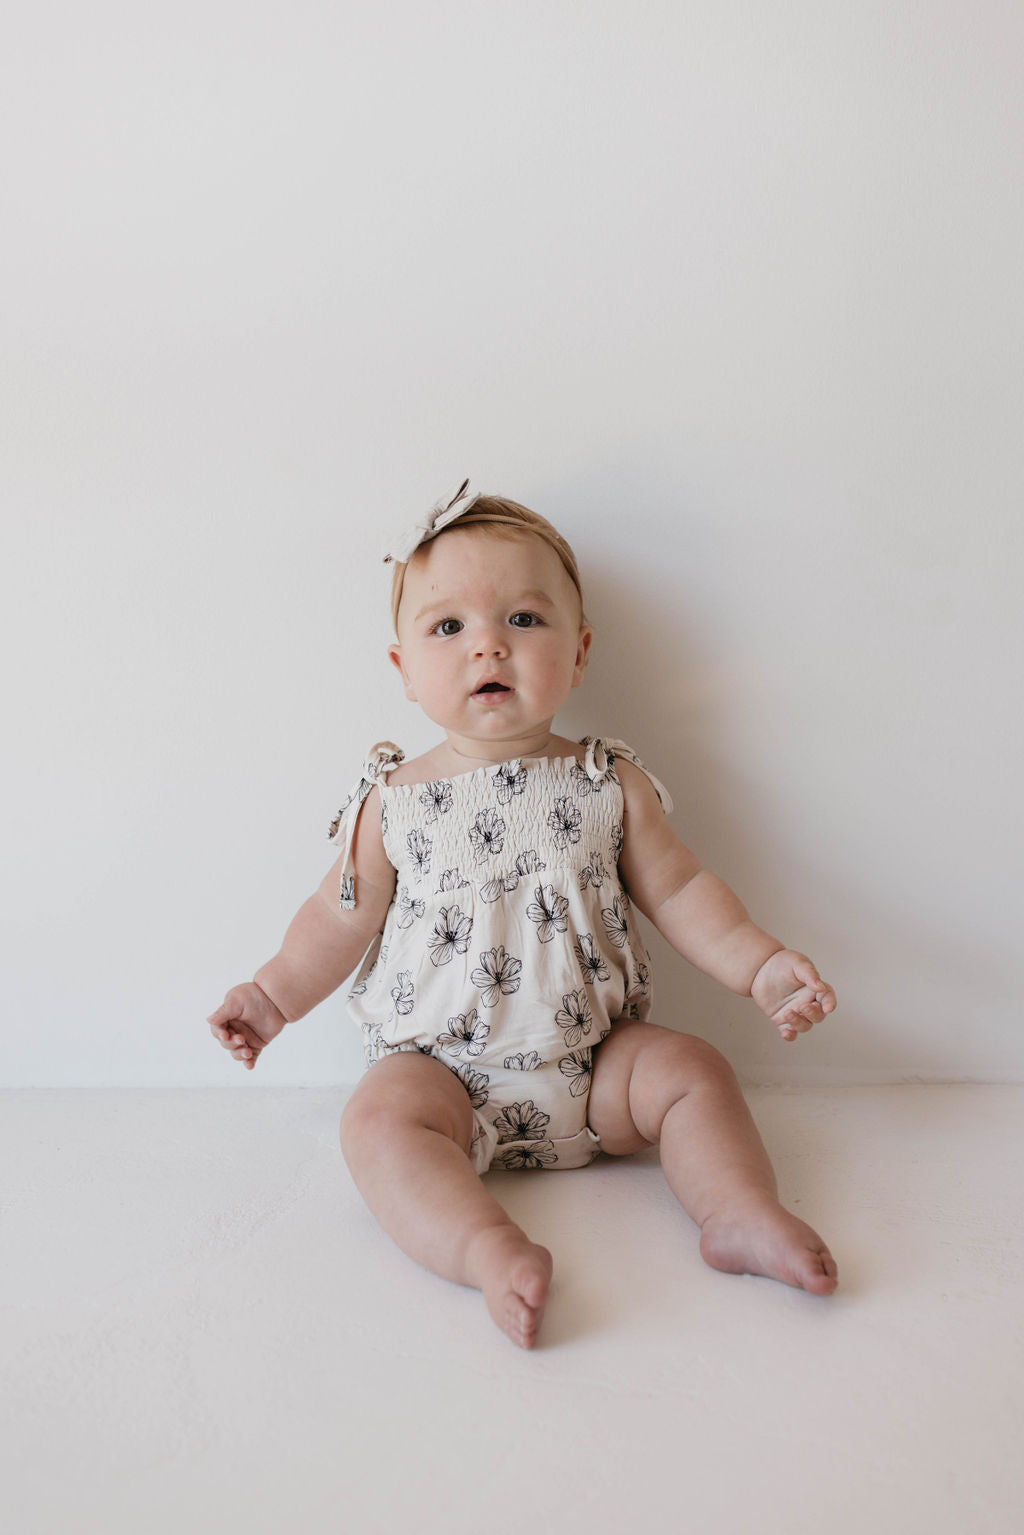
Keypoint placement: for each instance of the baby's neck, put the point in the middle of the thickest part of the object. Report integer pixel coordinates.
(465, 750)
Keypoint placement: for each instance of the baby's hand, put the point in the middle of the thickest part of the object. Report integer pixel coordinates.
(246, 1021)
(789, 989)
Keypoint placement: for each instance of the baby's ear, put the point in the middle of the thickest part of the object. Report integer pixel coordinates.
(395, 657)
(582, 652)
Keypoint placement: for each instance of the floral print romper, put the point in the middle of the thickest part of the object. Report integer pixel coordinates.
(510, 947)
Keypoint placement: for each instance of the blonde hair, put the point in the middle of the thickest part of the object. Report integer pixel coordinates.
(506, 518)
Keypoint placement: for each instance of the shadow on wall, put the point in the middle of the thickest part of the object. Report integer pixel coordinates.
(907, 987)
(646, 685)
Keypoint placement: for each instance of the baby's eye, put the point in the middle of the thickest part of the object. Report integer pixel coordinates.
(448, 626)
(522, 620)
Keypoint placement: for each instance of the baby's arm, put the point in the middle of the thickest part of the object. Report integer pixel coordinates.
(706, 922)
(322, 946)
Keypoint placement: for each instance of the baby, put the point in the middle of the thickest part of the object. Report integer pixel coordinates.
(486, 892)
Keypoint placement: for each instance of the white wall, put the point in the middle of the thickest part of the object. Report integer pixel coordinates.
(730, 291)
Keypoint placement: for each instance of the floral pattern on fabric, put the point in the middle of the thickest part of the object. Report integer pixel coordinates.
(487, 834)
(475, 1082)
(450, 936)
(575, 1068)
(523, 1062)
(535, 1154)
(615, 924)
(497, 975)
(510, 780)
(418, 845)
(547, 910)
(403, 994)
(451, 879)
(466, 1034)
(565, 821)
(408, 910)
(573, 1017)
(521, 1122)
(436, 799)
(594, 873)
(591, 960)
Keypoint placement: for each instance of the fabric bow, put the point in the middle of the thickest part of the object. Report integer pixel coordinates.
(440, 515)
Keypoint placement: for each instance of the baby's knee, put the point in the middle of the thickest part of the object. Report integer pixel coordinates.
(405, 1092)
(703, 1060)
(361, 1118)
(688, 1063)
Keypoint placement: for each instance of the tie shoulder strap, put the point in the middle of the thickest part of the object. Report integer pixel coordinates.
(382, 760)
(601, 754)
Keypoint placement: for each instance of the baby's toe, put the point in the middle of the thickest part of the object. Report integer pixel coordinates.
(819, 1273)
(520, 1321)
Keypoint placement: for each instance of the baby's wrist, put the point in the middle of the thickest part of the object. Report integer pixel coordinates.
(260, 980)
(778, 949)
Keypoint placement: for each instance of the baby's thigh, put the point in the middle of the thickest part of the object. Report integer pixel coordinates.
(408, 1090)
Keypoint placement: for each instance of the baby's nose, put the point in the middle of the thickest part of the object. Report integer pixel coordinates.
(491, 642)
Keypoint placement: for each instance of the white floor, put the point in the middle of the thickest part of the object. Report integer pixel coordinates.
(204, 1331)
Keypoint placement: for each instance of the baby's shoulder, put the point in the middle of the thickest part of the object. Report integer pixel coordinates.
(634, 780)
(645, 800)
(426, 768)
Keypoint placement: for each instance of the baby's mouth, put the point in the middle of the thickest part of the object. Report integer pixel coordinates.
(492, 687)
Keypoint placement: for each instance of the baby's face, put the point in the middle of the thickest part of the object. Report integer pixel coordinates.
(491, 639)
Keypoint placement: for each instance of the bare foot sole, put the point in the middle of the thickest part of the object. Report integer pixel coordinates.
(515, 1275)
(764, 1238)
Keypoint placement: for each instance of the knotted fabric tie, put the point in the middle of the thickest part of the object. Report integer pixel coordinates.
(601, 753)
(383, 759)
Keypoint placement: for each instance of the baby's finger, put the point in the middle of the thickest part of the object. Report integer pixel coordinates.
(239, 1033)
(804, 970)
(230, 1037)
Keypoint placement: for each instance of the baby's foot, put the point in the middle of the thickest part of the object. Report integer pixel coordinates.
(761, 1237)
(514, 1274)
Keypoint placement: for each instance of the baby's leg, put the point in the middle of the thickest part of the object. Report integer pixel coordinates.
(653, 1086)
(405, 1134)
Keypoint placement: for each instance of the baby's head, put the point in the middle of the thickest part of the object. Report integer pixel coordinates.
(495, 517)
(489, 618)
